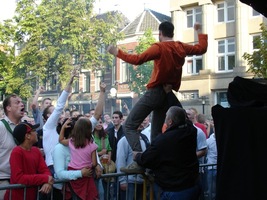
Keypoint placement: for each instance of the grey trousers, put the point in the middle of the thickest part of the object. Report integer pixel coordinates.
(154, 99)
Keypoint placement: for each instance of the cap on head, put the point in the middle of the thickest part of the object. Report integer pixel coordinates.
(22, 129)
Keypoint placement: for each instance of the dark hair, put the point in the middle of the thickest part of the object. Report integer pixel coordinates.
(71, 112)
(7, 101)
(46, 112)
(101, 133)
(167, 29)
(82, 132)
(46, 99)
(118, 113)
(68, 130)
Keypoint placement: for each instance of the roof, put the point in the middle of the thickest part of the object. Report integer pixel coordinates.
(147, 19)
(123, 22)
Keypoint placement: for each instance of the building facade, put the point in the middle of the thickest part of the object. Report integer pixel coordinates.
(231, 27)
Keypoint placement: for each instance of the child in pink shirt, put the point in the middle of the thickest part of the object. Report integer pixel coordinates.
(82, 154)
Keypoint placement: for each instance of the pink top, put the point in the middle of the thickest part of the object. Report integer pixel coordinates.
(81, 157)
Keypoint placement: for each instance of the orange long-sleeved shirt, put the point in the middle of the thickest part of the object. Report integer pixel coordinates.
(169, 57)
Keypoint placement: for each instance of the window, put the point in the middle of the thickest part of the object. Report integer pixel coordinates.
(221, 98)
(98, 76)
(125, 72)
(193, 15)
(226, 11)
(226, 54)
(51, 83)
(102, 49)
(86, 82)
(255, 42)
(194, 64)
(76, 86)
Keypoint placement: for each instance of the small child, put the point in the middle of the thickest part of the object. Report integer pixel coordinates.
(82, 154)
(27, 164)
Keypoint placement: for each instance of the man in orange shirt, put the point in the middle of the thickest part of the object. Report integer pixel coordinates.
(169, 57)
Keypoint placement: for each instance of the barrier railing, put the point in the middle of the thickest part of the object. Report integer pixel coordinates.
(112, 188)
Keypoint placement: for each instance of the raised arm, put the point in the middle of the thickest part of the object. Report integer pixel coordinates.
(62, 139)
(101, 101)
(202, 45)
(73, 75)
(34, 104)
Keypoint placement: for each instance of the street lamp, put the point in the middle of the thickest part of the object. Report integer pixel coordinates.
(113, 94)
(203, 105)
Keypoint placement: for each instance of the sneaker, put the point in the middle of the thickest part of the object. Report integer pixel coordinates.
(132, 168)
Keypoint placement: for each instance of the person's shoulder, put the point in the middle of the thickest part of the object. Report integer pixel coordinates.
(122, 141)
(36, 149)
(198, 130)
(61, 146)
(61, 149)
(16, 149)
(110, 129)
(93, 119)
(211, 137)
(1, 125)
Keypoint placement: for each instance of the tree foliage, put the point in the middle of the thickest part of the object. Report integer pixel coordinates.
(54, 37)
(140, 75)
(257, 61)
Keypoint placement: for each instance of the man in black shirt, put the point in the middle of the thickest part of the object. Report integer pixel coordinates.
(172, 158)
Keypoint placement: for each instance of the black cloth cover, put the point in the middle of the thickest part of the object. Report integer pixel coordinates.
(258, 5)
(247, 92)
(241, 138)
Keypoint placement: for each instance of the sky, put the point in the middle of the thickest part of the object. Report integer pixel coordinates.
(132, 8)
(7, 9)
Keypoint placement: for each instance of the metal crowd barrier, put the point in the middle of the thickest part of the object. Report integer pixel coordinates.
(208, 182)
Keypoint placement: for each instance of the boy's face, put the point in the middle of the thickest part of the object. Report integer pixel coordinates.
(32, 136)
(46, 103)
(116, 119)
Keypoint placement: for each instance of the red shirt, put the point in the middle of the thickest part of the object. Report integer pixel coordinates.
(169, 57)
(27, 168)
(203, 128)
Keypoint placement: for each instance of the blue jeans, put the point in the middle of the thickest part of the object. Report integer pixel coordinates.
(187, 194)
(156, 100)
(100, 188)
(211, 183)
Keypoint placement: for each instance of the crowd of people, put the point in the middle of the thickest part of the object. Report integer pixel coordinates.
(60, 143)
